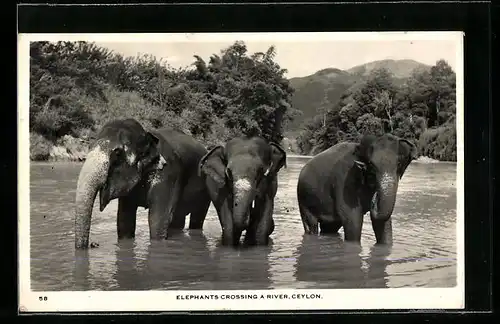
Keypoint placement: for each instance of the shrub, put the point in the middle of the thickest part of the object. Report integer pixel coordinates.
(62, 115)
(127, 104)
(39, 147)
(440, 143)
(218, 134)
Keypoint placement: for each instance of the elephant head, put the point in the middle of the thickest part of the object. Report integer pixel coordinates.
(122, 153)
(383, 160)
(244, 167)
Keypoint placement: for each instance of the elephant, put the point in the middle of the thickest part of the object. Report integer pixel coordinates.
(154, 169)
(338, 186)
(242, 181)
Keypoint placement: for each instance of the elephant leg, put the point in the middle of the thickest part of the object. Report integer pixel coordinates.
(164, 198)
(309, 221)
(220, 198)
(236, 237)
(179, 219)
(126, 220)
(352, 221)
(199, 213)
(229, 235)
(262, 223)
(260, 235)
(270, 228)
(330, 227)
(383, 230)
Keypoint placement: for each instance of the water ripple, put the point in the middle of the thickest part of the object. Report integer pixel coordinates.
(423, 253)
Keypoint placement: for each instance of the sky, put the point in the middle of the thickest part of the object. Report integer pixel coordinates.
(301, 57)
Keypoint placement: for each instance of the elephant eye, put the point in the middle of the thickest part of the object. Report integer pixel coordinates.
(117, 150)
(117, 155)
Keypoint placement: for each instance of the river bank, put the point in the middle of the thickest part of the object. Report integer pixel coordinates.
(66, 149)
(64, 155)
(71, 149)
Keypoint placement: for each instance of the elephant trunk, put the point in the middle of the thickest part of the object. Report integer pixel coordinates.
(384, 199)
(92, 176)
(242, 201)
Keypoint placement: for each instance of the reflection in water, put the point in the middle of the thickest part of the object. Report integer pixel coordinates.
(181, 261)
(126, 266)
(423, 253)
(81, 270)
(377, 262)
(325, 259)
(329, 262)
(243, 268)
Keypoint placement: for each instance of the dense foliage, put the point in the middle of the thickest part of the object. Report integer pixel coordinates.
(76, 87)
(326, 86)
(421, 109)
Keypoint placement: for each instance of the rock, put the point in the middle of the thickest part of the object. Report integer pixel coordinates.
(69, 148)
(426, 159)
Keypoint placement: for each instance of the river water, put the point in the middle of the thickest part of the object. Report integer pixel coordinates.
(423, 253)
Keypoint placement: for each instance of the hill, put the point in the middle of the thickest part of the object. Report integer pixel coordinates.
(329, 84)
(399, 68)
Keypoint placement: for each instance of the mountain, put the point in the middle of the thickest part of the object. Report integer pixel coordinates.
(310, 90)
(399, 68)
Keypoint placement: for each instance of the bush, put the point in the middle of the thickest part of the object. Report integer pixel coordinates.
(62, 115)
(77, 87)
(439, 143)
(218, 134)
(39, 147)
(128, 104)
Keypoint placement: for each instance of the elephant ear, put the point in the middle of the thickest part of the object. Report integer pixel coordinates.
(278, 159)
(151, 153)
(363, 151)
(213, 164)
(407, 152)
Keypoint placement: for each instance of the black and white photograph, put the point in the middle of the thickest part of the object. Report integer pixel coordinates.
(240, 171)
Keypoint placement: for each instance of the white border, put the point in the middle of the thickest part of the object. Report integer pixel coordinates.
(134, 301)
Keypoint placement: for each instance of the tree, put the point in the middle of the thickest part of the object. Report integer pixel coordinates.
(383, 104)
(249, 92)
(420, 110)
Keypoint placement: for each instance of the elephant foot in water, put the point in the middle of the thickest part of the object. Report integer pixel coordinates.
(231, 237)
(330, 228)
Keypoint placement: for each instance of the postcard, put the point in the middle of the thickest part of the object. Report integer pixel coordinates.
(241, 171)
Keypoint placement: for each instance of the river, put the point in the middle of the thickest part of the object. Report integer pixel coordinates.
(423, 253)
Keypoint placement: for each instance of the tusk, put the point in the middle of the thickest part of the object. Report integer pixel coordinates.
(360, 164)
(268, 169)
(162, 162)
(253, 203)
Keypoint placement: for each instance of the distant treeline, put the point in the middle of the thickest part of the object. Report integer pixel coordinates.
(422, 109)
(76, 87)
